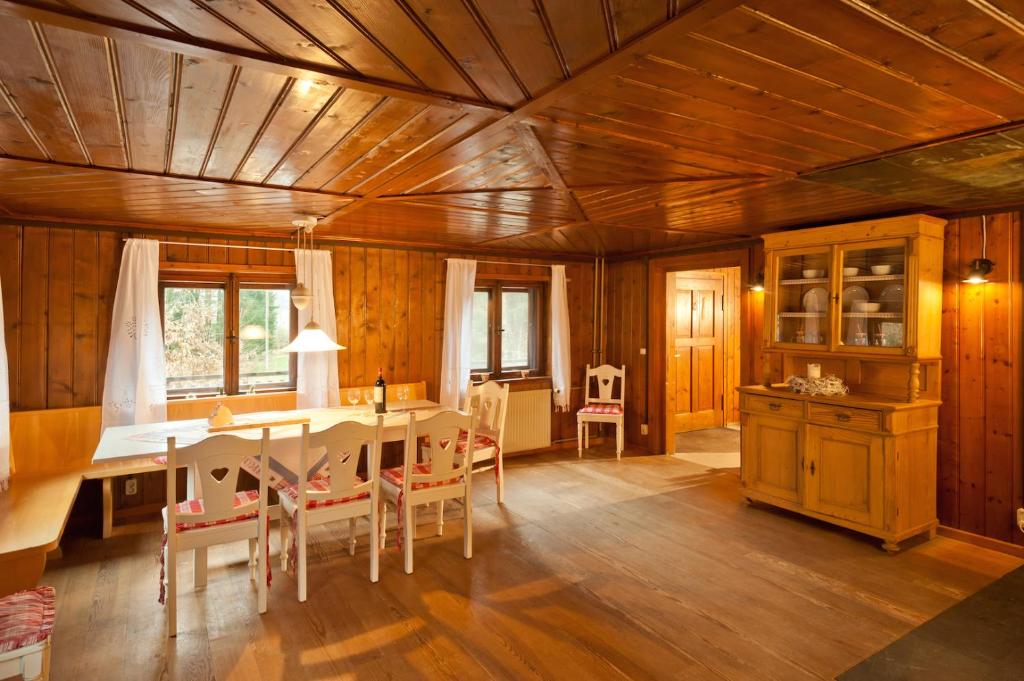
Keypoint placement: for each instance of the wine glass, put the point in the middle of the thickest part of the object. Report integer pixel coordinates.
(353, 396)
(403, 394)
(368, 396)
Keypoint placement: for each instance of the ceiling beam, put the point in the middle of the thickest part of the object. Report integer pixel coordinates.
(173, 41)
(536, 151)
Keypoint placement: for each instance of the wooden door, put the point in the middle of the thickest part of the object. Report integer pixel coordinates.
(843, 474)
(771, 460)
(695, 370)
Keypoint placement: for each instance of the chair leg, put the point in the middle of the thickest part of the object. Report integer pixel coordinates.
(283, 530)
(351, 536)
(467, 535)
(253, 545)
(620, 435)
(440, 517)
(374, 543)
(199, 567)
(31, 666)
(300, 570)
(171, 572)
(586, 434)
(500, 463)
(382, 512)
(45, 676)
(579, 438)
(408, 532)
(261, 570)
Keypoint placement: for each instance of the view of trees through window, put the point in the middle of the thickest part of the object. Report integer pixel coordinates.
(264, 331)
(194, 338)
(505, 329)
(515, 329)
(481, 348)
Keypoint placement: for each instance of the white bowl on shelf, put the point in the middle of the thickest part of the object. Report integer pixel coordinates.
(813, 274)
(851, 271)
(881, 270)
(865, 306)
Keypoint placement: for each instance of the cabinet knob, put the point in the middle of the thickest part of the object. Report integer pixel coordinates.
(812, 467)
(842, 417)
(774, 406)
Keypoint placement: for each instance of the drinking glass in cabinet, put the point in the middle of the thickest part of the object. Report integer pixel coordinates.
(802, 298)
(871, 296)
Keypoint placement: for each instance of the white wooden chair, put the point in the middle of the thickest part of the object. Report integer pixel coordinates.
(26, 625)
(340, 495)
(604, 408)
(444, 476)
(489, 401)
(217, 515)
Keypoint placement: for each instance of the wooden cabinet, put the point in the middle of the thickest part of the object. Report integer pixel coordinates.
(864, 302)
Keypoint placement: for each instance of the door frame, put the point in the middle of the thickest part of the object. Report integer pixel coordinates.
(657, 271)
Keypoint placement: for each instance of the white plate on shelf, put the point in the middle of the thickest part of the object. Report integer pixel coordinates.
(816, 300)
(854, 294)
(891, 298)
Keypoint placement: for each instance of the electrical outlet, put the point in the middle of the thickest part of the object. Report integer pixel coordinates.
(1020, 519)
(131, 487)
(643, 429)
(643, 351)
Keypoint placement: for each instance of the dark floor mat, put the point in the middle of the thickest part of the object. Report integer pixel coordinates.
(979, 639)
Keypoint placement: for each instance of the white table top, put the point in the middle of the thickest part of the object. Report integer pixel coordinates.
(120, 443)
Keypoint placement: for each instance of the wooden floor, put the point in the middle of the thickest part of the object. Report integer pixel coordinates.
(648, 568)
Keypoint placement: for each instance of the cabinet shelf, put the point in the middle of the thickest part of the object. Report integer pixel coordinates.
(800, 282)
(874, 315)
(874, 277)
(802, 315)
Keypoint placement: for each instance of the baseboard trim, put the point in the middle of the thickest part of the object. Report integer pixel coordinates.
(982, 541)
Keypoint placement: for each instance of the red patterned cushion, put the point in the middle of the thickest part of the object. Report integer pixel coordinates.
(396, 476)
(322, 485)
(480, 442)
(26, 618)
(195, 506)
(601, 409)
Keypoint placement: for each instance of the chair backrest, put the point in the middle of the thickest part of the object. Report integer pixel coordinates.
(490, 402)
(343, 443)
(605, 376)
(215, 462)
(446, 462)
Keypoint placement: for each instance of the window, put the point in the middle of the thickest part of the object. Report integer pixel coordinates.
(507, 324)
(223, 334)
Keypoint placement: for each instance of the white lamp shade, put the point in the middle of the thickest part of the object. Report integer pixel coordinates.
(312, 339)
(301, 296)
(252, 332)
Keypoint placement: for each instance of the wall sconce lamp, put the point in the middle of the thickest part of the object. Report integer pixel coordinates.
(757, 285)
(981, 267)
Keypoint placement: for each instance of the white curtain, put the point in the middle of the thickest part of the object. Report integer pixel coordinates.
(456, 357)
(317, 380)
(5, 406)
(559, 339)
(135, 389)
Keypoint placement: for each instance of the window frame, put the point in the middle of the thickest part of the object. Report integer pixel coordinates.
(538, 340)
(232, 282)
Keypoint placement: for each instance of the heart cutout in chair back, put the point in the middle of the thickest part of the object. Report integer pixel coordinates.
(219, 474)
(606, 381)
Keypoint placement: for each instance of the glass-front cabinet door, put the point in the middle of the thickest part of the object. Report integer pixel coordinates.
(872, 296)
(802, 296)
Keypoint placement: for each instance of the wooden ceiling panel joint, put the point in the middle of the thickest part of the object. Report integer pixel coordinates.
(308, 35)
(26, 125)
(229, 92)
(58, 87)
(549, 30)
(366, 33)
(274, 108)
(485, 29)
(324, 109)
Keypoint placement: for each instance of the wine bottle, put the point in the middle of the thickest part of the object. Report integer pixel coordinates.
(380, 393)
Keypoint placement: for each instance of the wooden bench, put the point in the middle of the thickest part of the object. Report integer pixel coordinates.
(51, 453)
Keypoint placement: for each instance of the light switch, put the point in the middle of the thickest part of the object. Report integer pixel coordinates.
(643, 351)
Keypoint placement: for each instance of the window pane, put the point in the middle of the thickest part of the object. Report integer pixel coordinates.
(264, 328)
(480, 353)
(515, 325)
(194, 338)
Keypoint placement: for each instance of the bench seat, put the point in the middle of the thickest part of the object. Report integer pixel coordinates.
(34, 511)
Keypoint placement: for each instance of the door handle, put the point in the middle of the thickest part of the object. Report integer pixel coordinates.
(843, 417)
(812, 467)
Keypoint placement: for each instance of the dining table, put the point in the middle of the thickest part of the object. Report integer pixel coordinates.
(125, 443)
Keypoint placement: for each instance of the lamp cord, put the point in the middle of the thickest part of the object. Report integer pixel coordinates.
(984, 237)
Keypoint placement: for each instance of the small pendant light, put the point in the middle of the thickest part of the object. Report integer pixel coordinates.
(312, 338)
(301, 295)
(981, 267)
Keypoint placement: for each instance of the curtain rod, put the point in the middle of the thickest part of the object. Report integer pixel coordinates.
(249, 248)
(504, 262)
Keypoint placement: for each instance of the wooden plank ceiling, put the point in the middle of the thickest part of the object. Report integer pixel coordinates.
(563, 126)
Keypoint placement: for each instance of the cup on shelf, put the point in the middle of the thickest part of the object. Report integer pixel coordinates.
(881, 270)
(813, 274)
(851, 271)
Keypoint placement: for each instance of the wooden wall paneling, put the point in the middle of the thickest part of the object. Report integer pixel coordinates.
(342, 312)
(32, 375)
(60, 318)
(358, 303)
(948, 465)
(10, 285)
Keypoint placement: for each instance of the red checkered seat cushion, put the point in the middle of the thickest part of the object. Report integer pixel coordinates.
(26, 618)
(322, 485)
(480, 442)
(396, 476)
(601, 409)
(195, 507)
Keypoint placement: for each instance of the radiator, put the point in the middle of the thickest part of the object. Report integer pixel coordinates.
(528, 421)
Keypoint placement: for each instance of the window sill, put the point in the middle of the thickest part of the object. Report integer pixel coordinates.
(520, 384)
(220, 398)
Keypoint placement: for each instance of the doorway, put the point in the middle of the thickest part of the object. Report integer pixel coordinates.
(702, 354)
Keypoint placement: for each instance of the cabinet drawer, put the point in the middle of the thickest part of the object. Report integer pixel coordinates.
(844, 416)
(774, 405)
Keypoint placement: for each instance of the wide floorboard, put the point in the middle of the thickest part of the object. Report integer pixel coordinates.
(650, 568)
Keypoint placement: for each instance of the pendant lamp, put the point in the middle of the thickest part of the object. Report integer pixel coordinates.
(312, 338)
